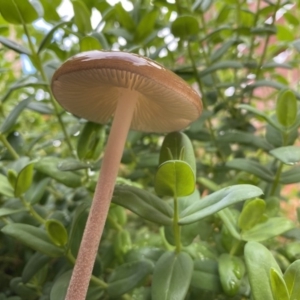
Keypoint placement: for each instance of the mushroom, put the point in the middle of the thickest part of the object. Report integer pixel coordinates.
(139, 94)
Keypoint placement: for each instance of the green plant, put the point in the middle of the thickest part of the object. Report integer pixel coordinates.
(162, 238)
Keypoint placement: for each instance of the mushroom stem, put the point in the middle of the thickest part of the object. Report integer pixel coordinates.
(109, 170)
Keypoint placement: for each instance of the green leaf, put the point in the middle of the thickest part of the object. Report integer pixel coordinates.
(177, 146)
(146, 25)
(81, 16)
(50, 10)
(221, 65)
(48, 37)
(18, 11)
(284, 33)
(172, 276)
(36, 262)
(245, 138)
(286, 108)
(252, 214)
(144, 204)
(72, 165)
(271, 228)
(5, 187)
(60, 286)
(126, 277)
(278, 286)
(292, 279)
(289, 155)
(259, 261)
(124, 18)
(36, 191)
(40, 108)
(202, 5)
(229, 218)
(90, 142)
(22, 85)
(48, 165)
(4, 212)
(57, 232)
(270, 83)
(24, 179)
(88, 43)
(11, 119)
(252, 167)
(290, 176)
(217, 201)
(122, 243)
(261, 114)
(219, 52)
(13, 45)
(206, 275)
(33, 237)
(174, 178)
(231, 270)
(185, 26)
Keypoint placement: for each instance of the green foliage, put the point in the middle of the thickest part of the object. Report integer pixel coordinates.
(195, 214)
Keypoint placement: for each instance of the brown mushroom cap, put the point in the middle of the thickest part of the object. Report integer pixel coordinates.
(88, 85)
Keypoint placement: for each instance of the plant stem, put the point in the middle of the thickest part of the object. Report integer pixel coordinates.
(176, 227)
(8, 146)
(32, 211)
(277, 178)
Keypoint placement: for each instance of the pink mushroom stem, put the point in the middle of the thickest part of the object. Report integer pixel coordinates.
(109, 170)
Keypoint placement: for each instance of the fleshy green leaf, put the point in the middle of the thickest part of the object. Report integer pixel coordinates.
(177, 146)
(90, 141)
(292, 279)
(185, 26)
(72, 165)
(13, 45)
(221, 65)
(291, 176)
(269, 83)
(289, 155)
(286, 108)
(60, 286)
(5, 187)
(217, 201)
(81, 16)
(11, 119)
(88, 43)
(278, 286)
(128, 276)
(252, 214)
(245, 138)
(8, 211)
(174, 178)
(18, 11)
(271, 228)
(48, 37)
(33, 237)
(36, 262)
(206, 275)
(259, 262)
(231, 270)
(24, 179)
(252, 167)
(144, 204)
(172, 276)
(57, 232)
(48, 165)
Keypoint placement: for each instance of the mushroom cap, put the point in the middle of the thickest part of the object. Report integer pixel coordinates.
(88, 85)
